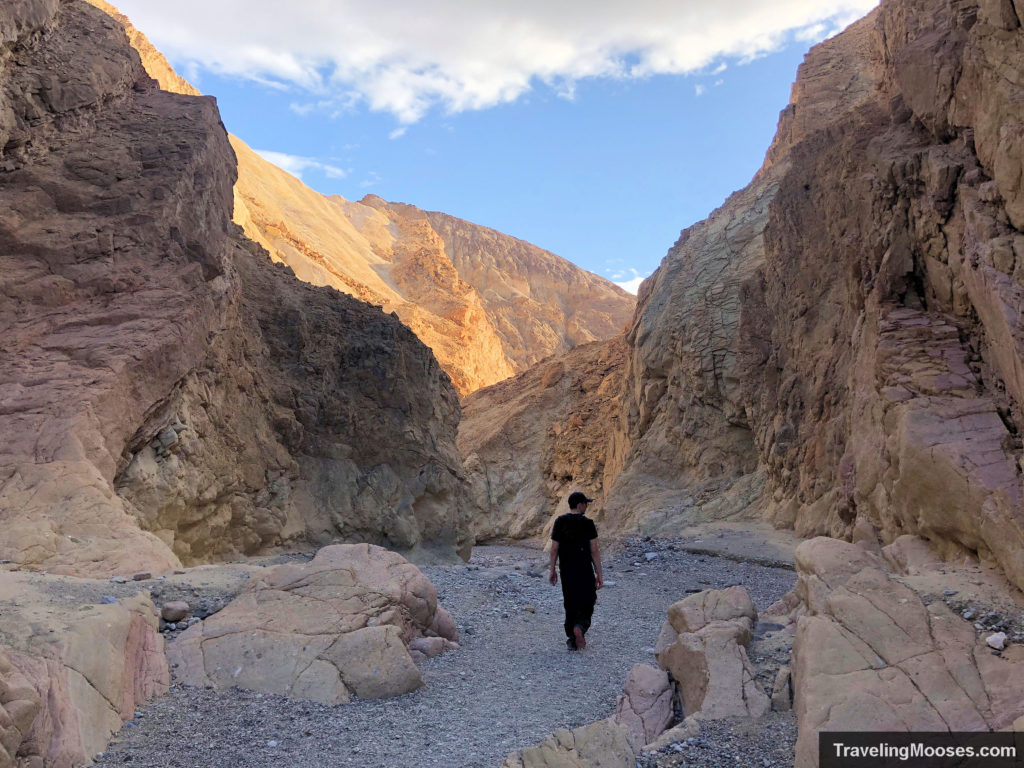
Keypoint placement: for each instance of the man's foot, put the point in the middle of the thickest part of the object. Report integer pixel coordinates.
(577, 633)
(570, 644)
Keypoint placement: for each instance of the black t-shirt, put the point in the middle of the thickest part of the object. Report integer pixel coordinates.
(574, 533)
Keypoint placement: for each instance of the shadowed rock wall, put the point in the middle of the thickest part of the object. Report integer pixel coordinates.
(166, 393)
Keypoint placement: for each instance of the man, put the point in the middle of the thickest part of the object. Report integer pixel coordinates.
(574, 547)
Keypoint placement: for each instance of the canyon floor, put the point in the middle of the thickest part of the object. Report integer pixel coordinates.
(510, 684)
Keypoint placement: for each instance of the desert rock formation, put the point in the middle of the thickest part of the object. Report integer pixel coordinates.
(70, 674)
(870, 654)
(840, 342)
(703, 645)
(166, 392)
(487, 304)
(336, 627)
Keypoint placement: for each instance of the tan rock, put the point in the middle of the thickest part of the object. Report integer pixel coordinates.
(910, 555)
(71, 675)
(645, 706)
(695, 612)
(782, 690)
(174, 611)
(338, 626)
(872, 656)
(714, 675)
(604, 744)
(688, 729)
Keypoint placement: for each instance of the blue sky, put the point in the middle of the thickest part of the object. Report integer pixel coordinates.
(598, 135)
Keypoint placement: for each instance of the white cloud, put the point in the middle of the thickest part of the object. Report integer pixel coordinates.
(407, 57)
(296, 165)
(397, 133)
(633, 284)
(699, 89)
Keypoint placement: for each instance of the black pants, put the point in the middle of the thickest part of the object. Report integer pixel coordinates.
(579, 593)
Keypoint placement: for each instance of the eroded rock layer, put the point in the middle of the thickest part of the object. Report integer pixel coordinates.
(166, 392)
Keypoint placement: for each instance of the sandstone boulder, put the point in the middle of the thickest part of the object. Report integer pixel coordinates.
(871, 655)
(70, 674)
(336, 627)
(645, 706)
(604, 744)
(708, 658)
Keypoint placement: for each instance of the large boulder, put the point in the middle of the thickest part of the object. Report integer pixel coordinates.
(871, 655)
(71, 674)
(708, 657)
(645, 706)
(604, 744)
(336, 627)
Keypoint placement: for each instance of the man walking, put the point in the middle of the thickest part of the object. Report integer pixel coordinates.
(574, 547)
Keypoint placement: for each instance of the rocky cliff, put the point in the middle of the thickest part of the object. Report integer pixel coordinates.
(841, 341)
(487, 304)
(166, 392)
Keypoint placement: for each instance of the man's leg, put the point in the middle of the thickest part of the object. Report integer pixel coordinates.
(579, 595)
(568, 603)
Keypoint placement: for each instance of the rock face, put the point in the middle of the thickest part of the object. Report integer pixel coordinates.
(529, 441)
(69, 678)
(336, 627)
(487, 304)
(841, 341)
(900, 401)
(869, 654)
(166, 393)
(703, 646)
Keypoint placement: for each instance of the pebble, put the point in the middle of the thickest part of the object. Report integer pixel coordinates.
(271, 743)
(142, 576)
(529, 609)
(997, 641)
(610, 583)
(119, 579)
(949, 592)
(108, 600)
(650, 556)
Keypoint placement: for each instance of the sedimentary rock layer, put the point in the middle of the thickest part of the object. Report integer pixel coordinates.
(166, 392)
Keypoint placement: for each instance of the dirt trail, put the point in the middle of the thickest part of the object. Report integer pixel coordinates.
(510, 684)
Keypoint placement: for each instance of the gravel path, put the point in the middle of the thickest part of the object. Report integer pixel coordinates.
(510, 684)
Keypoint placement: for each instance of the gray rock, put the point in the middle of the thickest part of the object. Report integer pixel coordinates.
(108, 600)
(997, 641)
(142, 576)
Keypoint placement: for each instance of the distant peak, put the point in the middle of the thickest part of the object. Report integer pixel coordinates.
(374, 201)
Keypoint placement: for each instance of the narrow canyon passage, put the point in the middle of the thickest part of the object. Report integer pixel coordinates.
(510, 684)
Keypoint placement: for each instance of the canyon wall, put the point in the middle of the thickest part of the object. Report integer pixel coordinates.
(841, 341)
(167, 393)
(487, 304)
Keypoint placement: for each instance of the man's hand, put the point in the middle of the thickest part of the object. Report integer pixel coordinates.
(553, 577)
(600, 581)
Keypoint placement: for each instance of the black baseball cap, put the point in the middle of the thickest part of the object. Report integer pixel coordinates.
(577, 498)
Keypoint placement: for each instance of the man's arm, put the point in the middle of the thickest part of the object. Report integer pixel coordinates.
(595, 554)
(553, 576)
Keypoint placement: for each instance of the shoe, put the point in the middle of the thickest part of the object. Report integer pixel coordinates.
(581, 641)
(570, 644)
